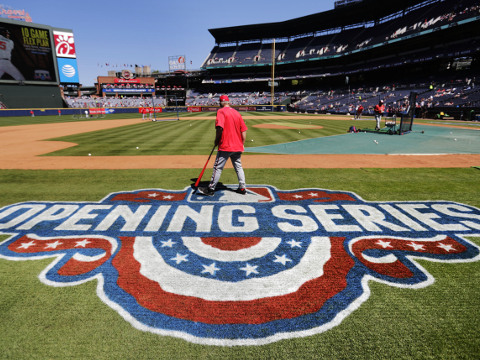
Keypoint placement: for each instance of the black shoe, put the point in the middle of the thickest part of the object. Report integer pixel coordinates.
(206, 191)
(242, 191)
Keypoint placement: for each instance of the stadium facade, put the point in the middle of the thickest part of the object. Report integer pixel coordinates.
(359, 51)
(356, 41)
(359, 45)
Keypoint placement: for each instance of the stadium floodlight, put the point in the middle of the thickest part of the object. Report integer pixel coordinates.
(272, 82)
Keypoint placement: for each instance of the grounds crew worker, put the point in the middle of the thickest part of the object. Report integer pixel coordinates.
(231, 133)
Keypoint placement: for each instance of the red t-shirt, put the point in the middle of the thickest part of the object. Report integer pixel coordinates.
(379, 109)
(233, 125)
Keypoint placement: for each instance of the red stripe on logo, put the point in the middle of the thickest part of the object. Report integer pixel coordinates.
(309, 298)
(231, 243)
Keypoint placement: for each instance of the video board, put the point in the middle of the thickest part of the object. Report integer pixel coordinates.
(64, 44)
(176, 63)
(26, 53)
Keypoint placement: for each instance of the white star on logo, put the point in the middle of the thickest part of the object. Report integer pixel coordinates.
(249, 269)
(384, 244)
(446, 247)
(82, 243)
(179, 258)
(282, 259)
(154, 195)
(298, 196)
(416, 246)
(294, 243)
(312, 194)
(53, 245)
(168, 197)
(169, 243)
(211, 269)
(27, 245)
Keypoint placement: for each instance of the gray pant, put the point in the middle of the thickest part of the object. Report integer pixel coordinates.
(378, 119)
(220, 161)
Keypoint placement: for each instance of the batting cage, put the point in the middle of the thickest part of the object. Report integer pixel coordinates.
(406, 120)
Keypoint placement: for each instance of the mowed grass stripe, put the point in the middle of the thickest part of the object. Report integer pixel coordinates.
(152, 138)
(193, 136)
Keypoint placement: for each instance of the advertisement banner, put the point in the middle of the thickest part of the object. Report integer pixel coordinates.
(177, 62)
(64, 44)
(97, 111)
(148, 110)
(128, 91)
(264, 108)
(126, 81)
(8, 12)
(68, 70)
(26, 54)
(194, 109)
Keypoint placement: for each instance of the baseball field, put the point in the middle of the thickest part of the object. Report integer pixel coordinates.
(382, 261)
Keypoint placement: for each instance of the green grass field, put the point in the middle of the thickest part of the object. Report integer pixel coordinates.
(189, 135)
(440, 321)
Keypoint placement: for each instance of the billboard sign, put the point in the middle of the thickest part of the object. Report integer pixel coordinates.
(64, 44)
(177, 62)
(128, 91)
(8, 12)
(68, 70)
(26, 54)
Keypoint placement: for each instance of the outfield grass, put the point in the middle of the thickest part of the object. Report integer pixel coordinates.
(437, 322)
(190, 136)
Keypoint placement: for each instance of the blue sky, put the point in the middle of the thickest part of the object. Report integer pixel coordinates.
(147, 32)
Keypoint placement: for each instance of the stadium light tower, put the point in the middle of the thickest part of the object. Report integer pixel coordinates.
(272, 81)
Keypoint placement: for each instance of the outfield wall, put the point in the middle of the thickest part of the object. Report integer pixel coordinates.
(91, 111)
(34, 95)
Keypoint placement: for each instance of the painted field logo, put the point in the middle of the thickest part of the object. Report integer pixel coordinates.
(233, 269)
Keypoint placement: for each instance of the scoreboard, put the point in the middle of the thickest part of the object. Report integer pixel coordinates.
(36, 54)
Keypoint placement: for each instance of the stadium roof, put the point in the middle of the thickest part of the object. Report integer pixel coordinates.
(365, 11)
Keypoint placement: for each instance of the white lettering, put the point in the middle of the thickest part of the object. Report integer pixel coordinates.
(157, 219)
(427, 217)
(447, 209)
(225, 219)
(56, 212)
(368, 217)
(203, 219)
(307, 224)
(132, 219)
(402, 217)
(33, 209)
(326, 219)
(71, 224)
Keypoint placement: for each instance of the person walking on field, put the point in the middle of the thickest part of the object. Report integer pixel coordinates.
(231, 133)
(378, 110)
(358, 114)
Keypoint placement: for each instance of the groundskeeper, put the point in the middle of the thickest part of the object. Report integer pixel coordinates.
(231, 133)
